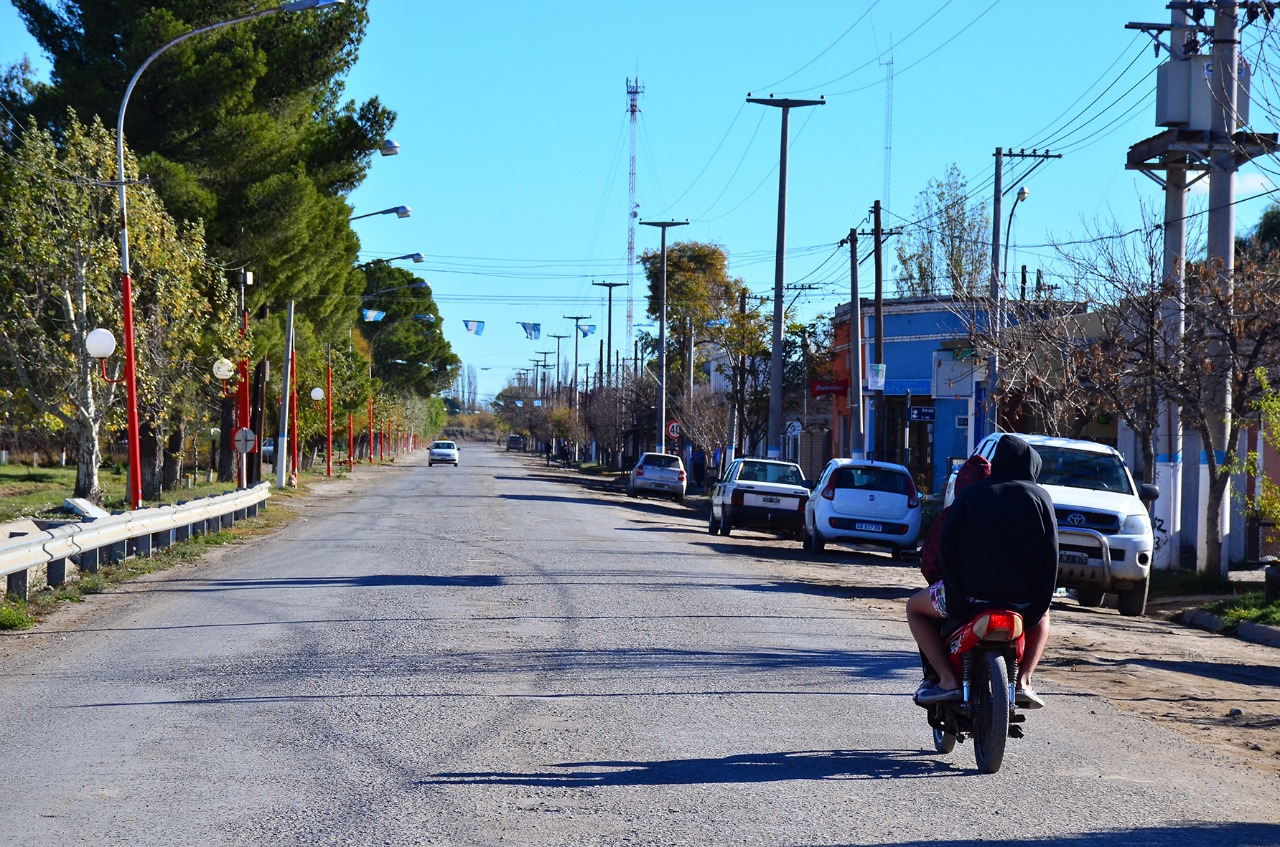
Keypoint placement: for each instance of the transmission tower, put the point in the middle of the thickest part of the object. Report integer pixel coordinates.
(634, 90)
(888, 126)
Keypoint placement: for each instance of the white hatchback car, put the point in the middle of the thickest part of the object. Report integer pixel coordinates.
(442, 453)
(863, 502)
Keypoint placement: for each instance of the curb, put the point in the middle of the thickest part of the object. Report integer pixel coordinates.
(1247, 630)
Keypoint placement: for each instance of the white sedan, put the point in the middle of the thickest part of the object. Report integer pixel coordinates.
(442, 453)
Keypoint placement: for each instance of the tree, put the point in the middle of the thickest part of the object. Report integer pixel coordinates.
(243, 128)
(699, 291)
(946, 250)
(59, 263)
(407, 350)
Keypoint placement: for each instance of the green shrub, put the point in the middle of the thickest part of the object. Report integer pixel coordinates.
(14, 617)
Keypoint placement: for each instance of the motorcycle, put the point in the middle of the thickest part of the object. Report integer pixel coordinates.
(984, 652)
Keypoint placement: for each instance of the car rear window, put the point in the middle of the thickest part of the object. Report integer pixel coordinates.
(872, 479)
(765, 472)
(658, 460)
(442, 445)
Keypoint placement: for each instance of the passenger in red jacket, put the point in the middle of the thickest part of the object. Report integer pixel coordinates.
(999, 548)
(974, 469)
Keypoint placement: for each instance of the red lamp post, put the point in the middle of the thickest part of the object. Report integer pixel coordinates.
(134, 493)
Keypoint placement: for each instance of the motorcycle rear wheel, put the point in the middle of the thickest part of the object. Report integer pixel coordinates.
(943, 742)
(991, 715)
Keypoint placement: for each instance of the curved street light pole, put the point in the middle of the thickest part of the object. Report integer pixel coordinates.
(134, 493)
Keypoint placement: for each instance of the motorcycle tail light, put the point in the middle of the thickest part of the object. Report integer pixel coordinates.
(998, 626)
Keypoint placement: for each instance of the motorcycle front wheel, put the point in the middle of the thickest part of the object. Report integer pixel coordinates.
(991, 711)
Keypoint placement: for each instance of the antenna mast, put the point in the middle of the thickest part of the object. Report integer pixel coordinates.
(888, 126)
(634, 90)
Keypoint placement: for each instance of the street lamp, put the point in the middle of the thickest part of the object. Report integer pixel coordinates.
(660, 444)
(389, 148)
(133, 494)
(398, 211)
(776, 358)
(997, 329)
(1023, 194)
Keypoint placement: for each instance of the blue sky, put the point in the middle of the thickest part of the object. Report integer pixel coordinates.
(515, 142)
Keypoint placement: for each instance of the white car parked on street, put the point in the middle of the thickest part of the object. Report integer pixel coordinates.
(863, 502)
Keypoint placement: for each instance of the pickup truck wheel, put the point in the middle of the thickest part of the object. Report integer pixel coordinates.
(1091, 597)
(1133, 601)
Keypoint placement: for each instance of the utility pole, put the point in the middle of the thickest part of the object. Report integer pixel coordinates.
(995, 317)
(577, 336)
(1201, 135)
(609, 286)
(558, 339)
(856, 434)
(878, 241)
(776, 358)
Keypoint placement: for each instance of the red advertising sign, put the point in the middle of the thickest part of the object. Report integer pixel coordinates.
(819, 387)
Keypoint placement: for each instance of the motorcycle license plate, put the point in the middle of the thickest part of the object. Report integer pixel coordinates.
(1070, 557)
(864, 526)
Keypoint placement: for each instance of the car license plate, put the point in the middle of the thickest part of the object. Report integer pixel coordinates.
(864, 526)
(1070, 557)
(772, 500)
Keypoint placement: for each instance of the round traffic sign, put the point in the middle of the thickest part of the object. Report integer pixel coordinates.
(244, 440)
(673, 429)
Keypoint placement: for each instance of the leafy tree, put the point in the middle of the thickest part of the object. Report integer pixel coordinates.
(59, 264)
(244, 128)
(407, 349)
(946, 251)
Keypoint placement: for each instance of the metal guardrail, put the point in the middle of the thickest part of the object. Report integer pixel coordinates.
(86, 544)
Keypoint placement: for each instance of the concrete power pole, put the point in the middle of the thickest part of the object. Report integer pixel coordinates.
(1202, 134)
(856, 436)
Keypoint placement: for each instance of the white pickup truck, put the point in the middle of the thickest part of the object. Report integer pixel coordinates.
(1105, 543)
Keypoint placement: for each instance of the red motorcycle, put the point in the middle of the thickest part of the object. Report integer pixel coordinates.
(984, 653)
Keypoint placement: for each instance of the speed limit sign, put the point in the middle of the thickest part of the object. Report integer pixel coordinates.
(673, 429)
(244, 440)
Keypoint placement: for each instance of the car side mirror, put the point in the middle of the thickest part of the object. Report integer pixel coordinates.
(1148, 492)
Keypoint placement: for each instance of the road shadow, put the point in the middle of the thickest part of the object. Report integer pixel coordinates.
(363, 581)
(808, 765)
(1190, 834)
(820, 589)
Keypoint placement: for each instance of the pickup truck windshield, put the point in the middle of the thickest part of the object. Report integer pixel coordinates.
(1082, 469)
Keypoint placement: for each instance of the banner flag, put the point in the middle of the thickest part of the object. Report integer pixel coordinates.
(474, 327)
(532, 331)
(372, 314)
(587, 329)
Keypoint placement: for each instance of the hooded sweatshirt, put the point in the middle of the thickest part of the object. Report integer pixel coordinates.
(1000, 539)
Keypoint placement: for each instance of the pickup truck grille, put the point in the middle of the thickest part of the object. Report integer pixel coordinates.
(1102, 522)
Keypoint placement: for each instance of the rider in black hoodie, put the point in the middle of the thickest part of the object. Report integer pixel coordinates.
(999, 547)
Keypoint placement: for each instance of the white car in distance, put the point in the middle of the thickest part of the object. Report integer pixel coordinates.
(442, 453)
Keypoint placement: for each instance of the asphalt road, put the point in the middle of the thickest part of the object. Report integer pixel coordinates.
(487, 655)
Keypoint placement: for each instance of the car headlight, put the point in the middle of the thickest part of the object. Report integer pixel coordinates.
(1138, 524)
